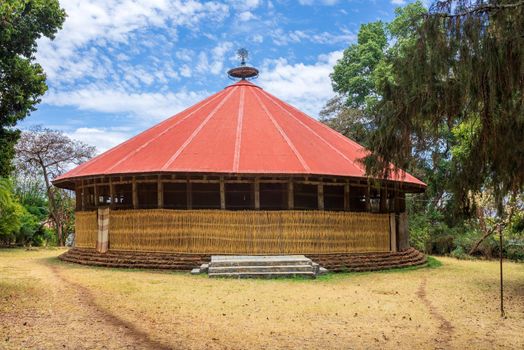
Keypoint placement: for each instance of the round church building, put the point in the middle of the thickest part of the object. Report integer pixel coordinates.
(240, 173)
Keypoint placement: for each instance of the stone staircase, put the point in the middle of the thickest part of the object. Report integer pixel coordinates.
(252, 266)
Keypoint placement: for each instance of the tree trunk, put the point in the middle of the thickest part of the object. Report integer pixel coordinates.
(60, 235)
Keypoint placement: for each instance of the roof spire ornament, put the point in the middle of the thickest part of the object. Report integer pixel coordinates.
(243, 71)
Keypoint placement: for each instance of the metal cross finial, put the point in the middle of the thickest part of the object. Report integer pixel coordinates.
(242, 54)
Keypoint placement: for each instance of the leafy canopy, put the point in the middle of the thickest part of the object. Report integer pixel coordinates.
(22, 81)
(463, 74)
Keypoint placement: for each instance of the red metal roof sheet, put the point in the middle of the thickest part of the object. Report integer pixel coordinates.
(241, 129)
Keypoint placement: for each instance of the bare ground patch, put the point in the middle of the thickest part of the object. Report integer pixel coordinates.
(445, 329)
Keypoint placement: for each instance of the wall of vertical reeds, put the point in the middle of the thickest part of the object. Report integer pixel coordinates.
(86, 229)
(243, 232)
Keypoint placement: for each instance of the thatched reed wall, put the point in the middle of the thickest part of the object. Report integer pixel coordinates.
(246, 232)
(86, 229)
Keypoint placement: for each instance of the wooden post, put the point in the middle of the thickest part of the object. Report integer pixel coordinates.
(502, 313)
(83, 196)
(393, 232)
(320, 196)
(95, 192)
(383, 198)
(346, 196)
(368, 199)
(160, 193)
(188, 195)
(290, 199)
(135, 194)
(257, 193)
(222, 194)
(111, 194)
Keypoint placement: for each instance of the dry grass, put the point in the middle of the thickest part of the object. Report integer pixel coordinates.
(452, 306)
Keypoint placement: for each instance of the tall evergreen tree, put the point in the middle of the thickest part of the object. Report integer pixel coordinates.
(463, 78)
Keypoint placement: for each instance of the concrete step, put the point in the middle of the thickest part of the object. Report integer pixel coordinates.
(286, 274)
(253, 266)
(261, 268)
(254, 260)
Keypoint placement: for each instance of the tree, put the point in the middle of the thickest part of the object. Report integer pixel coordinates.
(49, 153)
(464, 75)
(22, 81)
(11, 213)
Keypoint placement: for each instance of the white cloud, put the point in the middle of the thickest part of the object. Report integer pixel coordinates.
(246, 16)
(245, 4)
(113, 23)
(307, 87)
(185, 71)
(146, 107)
(282, 38)
(102, 138)
(214, 64)
(257, 38)
(323, 2)
(398, 2)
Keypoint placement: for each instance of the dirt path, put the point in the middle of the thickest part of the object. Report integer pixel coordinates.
(445, 329)
(138, 338)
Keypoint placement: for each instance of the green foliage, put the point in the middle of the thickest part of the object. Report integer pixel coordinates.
(463, 72)
(11, 213)
(353, 75)
(23, 213)
(22, 81)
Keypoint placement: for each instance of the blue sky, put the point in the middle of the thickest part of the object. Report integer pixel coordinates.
(118, 67)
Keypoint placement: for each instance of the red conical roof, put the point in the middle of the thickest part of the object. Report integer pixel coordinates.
(241, 130)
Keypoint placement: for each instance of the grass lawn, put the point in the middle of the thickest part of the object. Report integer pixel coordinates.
(47, 304)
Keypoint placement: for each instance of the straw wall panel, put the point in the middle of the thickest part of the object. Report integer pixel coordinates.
(248, 232)
(86, 229)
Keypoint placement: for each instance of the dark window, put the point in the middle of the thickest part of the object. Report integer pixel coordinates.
(104, 196)
(273, 196)
(305, 196)
(89, 198)
(374, 199)
(175, 195)
(391, 201)
(357, 198)
(205, 196)
(333, 197)
(123, 196)
(147, 195)
(240, 196)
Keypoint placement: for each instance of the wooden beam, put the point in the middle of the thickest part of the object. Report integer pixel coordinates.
(135, 194)
(95, 192)
(83, 197)
(222, 194)
(257, 193)
(383, 198)
(111, 194)
(290, 198)
(160, 193)
(368, 198)
(392, 232)
(188, 194)
(346, 196)
(320, 196)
